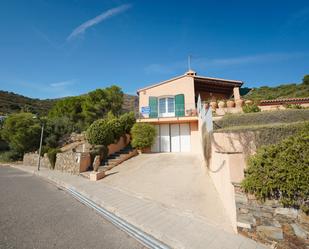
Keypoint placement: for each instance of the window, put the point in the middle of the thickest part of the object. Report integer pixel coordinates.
(166, 107)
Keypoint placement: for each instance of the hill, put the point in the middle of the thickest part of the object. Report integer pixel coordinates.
(11, 103)
(281, 91)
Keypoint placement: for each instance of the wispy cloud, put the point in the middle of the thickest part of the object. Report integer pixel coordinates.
(103, 16)
(202, 63)
(62, 83)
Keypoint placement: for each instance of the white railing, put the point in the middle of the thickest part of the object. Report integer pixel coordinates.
(205, 114)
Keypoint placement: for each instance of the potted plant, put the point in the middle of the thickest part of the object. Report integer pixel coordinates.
(221, 104)
(230, 103)
(239, 103)
(248, 102)
(143, 136)
(214, 104)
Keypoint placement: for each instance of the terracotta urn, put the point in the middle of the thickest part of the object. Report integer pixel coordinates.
(230, 103)
(221, 104)
(239, 103)
(248, 102)
(214, 105)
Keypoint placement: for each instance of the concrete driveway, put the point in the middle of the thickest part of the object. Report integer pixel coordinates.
(175, 180)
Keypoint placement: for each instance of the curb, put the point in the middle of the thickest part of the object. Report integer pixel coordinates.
(144, 238)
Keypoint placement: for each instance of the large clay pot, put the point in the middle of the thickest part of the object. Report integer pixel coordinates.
(239, 103)
(214, 105)
(221, 104)
(230, 103)
(248, 102)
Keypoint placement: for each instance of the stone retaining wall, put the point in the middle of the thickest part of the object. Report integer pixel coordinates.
(73, 162)
(31, 159)
(270, 222)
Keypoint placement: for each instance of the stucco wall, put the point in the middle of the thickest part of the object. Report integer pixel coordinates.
(122, 143)
(227, 164)
(183, 85)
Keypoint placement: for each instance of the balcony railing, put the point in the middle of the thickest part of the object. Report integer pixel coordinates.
(181, 110)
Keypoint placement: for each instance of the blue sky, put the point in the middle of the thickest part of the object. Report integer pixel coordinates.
(55, 48)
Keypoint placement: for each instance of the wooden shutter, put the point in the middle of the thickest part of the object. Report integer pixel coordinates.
(153, 104)
(180, 105)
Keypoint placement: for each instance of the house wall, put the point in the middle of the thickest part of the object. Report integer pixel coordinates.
(206, 96)
(184, 85)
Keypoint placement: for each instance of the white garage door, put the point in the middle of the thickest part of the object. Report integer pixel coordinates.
(172, 138)
(164, 138)
(185, 143)
(175, 138)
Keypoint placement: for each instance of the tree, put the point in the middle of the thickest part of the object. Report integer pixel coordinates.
(71, 109)
(306, 79)
(22, 132)
(100, 101)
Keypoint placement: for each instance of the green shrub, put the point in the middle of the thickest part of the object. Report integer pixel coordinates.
(251, 108)
(143, 135)
(261, 118)
(21, 132)
(127, 121)
(100, 133)
(116, 128)
(281, 171)
(52, 156)
(10, 156)
(294, 106)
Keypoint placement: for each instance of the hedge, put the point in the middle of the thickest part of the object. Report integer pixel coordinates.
(143, 135)
(262, 118)
(281, 171)
(268, 134)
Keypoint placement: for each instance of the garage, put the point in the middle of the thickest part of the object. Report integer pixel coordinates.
(172, 138)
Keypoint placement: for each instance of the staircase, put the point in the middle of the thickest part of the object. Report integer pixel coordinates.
(113, 160)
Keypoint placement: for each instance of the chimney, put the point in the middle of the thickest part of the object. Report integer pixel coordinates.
(190, 73)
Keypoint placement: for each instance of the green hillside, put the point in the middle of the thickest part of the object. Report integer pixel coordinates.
(279, 92)
(11, 103)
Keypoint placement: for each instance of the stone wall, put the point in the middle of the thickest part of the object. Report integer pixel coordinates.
(271, 223)
(73, 162)
(31, 159)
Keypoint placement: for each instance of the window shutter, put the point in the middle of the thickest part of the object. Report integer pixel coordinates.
(153, 104)
(180, 105)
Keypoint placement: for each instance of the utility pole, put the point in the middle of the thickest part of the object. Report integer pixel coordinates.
(41, 139)
(40, 150)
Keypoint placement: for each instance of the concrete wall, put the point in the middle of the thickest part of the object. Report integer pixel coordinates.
(184, 85)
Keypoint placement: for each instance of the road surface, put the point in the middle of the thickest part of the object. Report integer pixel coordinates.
(36, 214)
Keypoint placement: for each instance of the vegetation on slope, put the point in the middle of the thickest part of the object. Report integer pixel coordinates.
(13, 103)
(280, 92)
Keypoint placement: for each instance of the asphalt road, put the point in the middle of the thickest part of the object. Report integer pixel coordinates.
(36, 214)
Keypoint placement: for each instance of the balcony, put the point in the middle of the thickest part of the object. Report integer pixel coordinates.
(169, 113)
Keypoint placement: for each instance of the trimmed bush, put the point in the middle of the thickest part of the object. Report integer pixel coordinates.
(281, 171)
(262, 118)
(127, 121)
(143, 135)
(100, 133)
(251, 108)
(116, 128)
